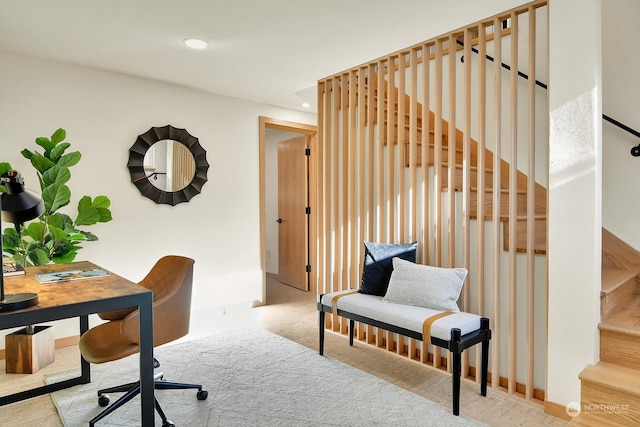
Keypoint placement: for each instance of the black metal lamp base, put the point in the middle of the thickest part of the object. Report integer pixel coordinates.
(18, 301)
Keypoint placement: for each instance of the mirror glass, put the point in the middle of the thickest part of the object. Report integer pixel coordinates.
(169, 165)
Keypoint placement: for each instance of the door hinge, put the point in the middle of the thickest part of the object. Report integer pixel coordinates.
(308, 268)
(307, 151)
(307, 210)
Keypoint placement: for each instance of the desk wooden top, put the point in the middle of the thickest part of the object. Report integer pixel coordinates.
(74, 291)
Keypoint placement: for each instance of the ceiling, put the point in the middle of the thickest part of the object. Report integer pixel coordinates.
(267, 51)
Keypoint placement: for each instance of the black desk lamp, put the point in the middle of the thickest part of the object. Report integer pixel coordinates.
(17, 206)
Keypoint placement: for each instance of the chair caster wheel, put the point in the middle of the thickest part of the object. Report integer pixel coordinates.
(103, 400)
(202, 395)
(168, 423)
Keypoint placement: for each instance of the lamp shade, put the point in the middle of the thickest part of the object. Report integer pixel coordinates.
(18, 205)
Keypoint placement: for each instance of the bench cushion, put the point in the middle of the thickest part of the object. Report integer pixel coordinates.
(404, 316)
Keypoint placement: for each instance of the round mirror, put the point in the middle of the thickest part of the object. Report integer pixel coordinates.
(168, 165)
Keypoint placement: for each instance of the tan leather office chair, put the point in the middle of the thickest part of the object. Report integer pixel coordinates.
(170, 279)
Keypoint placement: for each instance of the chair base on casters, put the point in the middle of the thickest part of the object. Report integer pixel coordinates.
(133, 389)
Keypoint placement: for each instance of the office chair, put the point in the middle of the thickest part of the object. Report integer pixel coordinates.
(170, 279)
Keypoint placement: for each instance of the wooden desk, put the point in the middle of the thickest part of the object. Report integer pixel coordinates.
(79, 298)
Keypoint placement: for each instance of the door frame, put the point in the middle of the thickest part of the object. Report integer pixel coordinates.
(311, 130)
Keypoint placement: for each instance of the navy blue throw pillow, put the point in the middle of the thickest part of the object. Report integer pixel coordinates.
(378, 266)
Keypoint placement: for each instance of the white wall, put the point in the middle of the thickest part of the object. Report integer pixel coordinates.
(103, 113)
(620, 95)
(575, 195)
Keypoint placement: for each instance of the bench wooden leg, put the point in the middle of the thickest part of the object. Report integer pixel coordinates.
(321, 332)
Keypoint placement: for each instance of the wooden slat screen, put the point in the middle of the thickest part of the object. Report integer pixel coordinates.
(437, 143)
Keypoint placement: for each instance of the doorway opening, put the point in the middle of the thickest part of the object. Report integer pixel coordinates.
(273, 133)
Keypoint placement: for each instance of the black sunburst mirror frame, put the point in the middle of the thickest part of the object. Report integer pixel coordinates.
(139, 177)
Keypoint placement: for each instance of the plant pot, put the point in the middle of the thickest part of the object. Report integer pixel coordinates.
(28, 353)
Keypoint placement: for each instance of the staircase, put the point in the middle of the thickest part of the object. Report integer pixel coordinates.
(540, 198)
(610, 390)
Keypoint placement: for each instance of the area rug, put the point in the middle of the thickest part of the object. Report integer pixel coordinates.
(255, 378)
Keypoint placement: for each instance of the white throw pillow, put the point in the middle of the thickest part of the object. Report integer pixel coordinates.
(425, 286)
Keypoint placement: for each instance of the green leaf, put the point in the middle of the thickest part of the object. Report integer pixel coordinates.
(58, 150)
(56, 175)
(55, 196)
(87, 214)
(60, 220)
(4, 167)
(66, 258)
(70, 159)
(45, 143)
(38, 257)
(41, 163)
(89, 237)
(27, 154)
(105, 215)
(101, 202)
(35, 230)
(58, 234)
(58, 136)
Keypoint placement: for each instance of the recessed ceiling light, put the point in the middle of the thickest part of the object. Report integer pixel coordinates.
(306, 105)
(196, 43)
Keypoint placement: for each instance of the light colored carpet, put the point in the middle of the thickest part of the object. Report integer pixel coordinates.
(255, 378)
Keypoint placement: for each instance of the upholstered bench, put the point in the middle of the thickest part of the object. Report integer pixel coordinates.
(455, 331)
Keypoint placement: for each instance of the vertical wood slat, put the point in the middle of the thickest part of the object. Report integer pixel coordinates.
(437, 151)
(531, 191)
(335, 182)
(352, 196)
(371, 116)
(452, 148)
(357, 260)
(401, 155)
(318, 203)
(496, 190)
(391, 102)
(346, 185)
(413, 144)
(400, 166)
(466, 183)
(381, 216)
(513, 194)
(481, 176)
(451, 152)
(424, 161)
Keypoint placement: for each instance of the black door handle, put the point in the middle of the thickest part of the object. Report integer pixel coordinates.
(279, 220)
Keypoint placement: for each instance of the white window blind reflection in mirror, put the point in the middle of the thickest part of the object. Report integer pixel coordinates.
(169, 165)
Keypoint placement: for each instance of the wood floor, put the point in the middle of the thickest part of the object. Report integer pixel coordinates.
(292, 314)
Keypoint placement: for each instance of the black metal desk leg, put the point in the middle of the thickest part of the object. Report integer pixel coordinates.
(85, 368)
(146, 360)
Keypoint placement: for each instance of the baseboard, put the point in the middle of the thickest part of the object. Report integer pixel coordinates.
(556, 410)
(59, 343)
(274, 276)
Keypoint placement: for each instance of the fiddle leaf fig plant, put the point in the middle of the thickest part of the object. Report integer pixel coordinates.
(54, 236)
